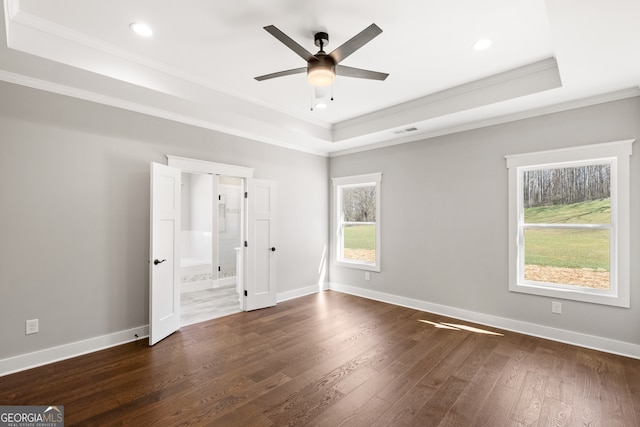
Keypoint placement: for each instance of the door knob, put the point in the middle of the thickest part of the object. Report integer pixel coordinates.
(156, 261)
(273, 249)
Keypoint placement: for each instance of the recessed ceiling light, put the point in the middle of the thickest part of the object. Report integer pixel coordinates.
(481, 44)
(321, 105)
(141, 29)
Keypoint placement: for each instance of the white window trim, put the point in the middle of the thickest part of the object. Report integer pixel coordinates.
(373, 178)
(618, 152)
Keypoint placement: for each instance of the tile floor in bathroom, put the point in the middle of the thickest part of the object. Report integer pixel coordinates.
(198, 306)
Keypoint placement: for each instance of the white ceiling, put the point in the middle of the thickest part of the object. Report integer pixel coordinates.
(200, 64)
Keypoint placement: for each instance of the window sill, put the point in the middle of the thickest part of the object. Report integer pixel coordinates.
(358, 265)
(594, 297)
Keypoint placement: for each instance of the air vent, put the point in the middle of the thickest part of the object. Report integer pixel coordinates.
(405, 130)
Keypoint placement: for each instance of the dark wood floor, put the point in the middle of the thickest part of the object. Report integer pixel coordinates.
(333, 359)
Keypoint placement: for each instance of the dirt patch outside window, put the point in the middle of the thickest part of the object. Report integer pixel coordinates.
(587, 277)
(368, 255)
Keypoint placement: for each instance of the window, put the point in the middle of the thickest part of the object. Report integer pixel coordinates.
(357, 207)
(569, 223)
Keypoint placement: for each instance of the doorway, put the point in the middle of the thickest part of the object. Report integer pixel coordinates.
(210, 241)
(256, 260)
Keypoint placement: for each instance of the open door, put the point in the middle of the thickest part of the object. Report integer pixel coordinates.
(164, 265)
(261, 248)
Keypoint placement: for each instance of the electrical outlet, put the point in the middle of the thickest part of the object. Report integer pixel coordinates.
(556, 307)
(367, 276)
(31, 327)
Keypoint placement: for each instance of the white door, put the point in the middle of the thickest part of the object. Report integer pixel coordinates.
(164, 274)
(261, 247)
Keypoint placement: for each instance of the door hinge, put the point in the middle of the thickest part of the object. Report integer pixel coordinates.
(245, 244)
(245, 293)
(219, 197)
(218, 268)
(246, 194)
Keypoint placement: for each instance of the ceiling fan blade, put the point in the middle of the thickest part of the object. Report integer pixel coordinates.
(290, 43)
(355, 43)
(359, 73)
(282, 74)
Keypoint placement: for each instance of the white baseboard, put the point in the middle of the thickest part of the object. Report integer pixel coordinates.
(297, 293)
(225, 281)
(575, 338)
(42, 357)
(199, 285)
(26, 361)
(54, 354)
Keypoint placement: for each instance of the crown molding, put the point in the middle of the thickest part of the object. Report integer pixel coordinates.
(527, 114)
(99, 98)
(526, 80)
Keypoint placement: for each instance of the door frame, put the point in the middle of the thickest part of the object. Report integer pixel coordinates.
(188, 165)
(203, 166)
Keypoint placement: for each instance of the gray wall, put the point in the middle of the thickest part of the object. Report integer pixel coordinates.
(74, 221)
(444, 218)
(74, 217)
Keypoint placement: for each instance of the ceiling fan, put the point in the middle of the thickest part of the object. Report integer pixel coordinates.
(322, 67)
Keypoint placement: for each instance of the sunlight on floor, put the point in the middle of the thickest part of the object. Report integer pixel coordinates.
(458, 327)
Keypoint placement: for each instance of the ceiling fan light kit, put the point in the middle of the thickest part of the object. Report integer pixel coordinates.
(322, 67)
(323, 71)
(321, 75)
